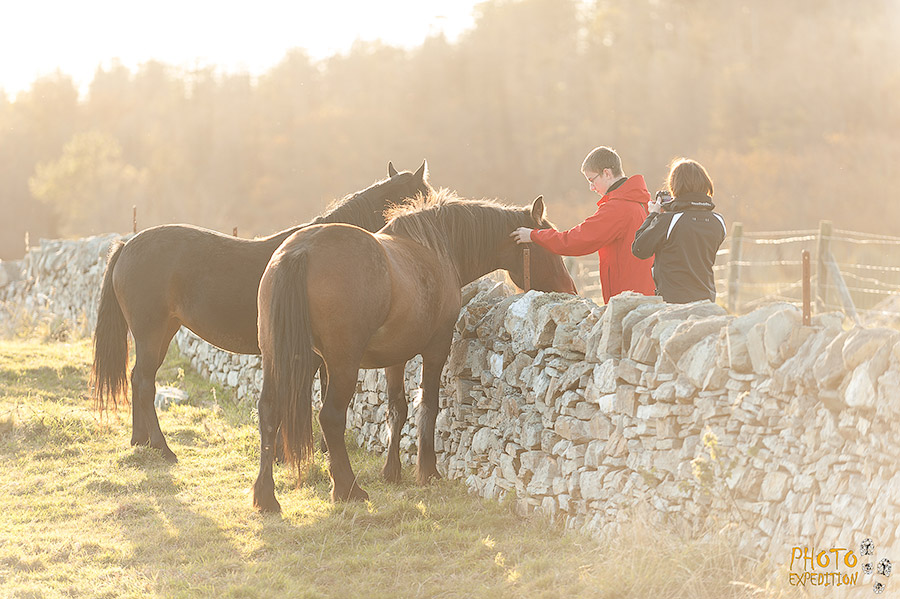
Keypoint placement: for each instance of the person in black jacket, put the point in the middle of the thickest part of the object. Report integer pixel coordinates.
(684, 234)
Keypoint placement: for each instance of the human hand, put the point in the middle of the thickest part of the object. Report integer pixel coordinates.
(655, 206)
(522, 235)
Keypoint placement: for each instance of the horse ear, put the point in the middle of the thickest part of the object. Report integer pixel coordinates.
(391, 170)
(422, 173)
(537, 209)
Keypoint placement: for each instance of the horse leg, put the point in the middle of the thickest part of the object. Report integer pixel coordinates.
(149, 356)
(323, 388)
(333, 420)
(432, 364)
(397, 412)
(269, 425)
(140, 432)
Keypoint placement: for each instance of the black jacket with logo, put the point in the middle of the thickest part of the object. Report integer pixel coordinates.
(685, 238)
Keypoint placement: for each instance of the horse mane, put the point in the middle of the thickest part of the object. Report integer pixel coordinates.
(362, 208)
(463, 230)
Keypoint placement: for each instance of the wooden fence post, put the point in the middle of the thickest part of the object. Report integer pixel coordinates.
(526, 267)
(734, 267)
(235, 232)
(823, 250)
(807, 317)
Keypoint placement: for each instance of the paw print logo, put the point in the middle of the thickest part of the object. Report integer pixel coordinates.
(882, 568)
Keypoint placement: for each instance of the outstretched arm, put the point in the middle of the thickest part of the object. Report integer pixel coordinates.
(597, 231)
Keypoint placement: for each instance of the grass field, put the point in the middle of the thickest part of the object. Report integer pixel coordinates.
(83, 514)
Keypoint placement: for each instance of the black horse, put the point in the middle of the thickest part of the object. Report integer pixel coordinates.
(175, 275)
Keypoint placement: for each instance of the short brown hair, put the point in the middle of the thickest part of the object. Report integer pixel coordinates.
(602, 158)
(686, 175)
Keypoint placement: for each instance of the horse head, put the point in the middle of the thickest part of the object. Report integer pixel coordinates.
(367, 208)
(548, 271)
(415, 183)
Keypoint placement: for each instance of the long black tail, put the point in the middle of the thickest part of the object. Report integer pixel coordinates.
(293, 362)
(109, 378)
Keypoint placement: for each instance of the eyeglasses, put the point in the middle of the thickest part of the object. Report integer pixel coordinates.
(591, 180)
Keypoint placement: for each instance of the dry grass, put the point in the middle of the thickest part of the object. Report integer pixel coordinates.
(82, 514)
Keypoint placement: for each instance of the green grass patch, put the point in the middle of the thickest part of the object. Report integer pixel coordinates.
(83, 514)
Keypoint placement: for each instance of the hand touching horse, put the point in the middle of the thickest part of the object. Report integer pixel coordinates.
(355, 299)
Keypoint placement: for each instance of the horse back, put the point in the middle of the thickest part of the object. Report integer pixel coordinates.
(206, 280)
(375, 296)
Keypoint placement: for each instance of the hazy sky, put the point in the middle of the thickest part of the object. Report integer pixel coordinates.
(37, 37)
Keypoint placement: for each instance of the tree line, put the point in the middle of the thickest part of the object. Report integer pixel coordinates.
(792, 107)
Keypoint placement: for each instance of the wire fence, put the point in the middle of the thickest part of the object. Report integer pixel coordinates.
(753, 269)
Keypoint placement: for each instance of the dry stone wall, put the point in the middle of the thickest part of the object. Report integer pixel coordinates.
(59, 278)
(585, 411)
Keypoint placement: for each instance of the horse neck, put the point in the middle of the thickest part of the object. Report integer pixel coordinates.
(471, 266)
(363, 210)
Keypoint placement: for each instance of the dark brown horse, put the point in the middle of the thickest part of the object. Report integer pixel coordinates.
(356, 300)
(175, 275)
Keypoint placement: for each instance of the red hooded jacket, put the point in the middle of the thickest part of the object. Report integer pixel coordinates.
(610, 233)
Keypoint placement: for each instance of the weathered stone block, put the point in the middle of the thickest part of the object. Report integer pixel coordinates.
(600, 426)
(530, 437)
(697, 362)
(860, 389)
(781, 337)
(774, 486)
(577, 431)
(691, 332)
(611, 338)
(626, 402)
(591, 484)
(829, 367)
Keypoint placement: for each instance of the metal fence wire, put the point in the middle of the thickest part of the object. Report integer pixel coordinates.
(753, 269)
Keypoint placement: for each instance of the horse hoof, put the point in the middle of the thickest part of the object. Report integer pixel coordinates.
(355, 494)
(391, 473)
(425, 477)
(168, 455)
(267, 506)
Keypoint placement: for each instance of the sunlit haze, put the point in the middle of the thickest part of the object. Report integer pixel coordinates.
(38, 38)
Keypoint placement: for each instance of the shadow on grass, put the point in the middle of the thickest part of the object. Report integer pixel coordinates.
(174, 542)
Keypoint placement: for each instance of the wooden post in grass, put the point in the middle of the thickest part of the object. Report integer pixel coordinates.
(734, 267)
(807, 317)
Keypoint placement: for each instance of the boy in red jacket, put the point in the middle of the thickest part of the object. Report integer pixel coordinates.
(609, 231)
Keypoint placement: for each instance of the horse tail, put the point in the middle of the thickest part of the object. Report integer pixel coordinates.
(109, 379)
(293, 361)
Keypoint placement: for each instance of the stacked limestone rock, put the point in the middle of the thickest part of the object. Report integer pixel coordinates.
(63, 278)
(584, 411)
(238, 372)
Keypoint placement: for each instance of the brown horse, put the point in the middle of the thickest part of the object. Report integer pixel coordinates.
(175, 275)
(356, 300)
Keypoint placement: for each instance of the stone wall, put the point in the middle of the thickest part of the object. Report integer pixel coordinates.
(59, 278)
(584, 411)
